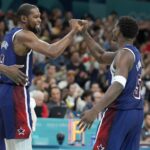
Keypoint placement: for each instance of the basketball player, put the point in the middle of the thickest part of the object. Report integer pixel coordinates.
(15, 115)
(121, 123)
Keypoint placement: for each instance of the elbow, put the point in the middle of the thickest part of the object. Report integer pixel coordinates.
(53, 53)
(53, 56)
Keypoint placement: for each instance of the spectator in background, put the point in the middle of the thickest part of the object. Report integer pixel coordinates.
(74, 102)
(145, 135)
(50, 71)
(70, 79)
(55, 101)
(87, 97)
(41, 108)
(57, 29)
(11, 19)
(146, 106)
(103, 77)
(41, 84)
(97, 96)
(77, 65)
(2, 27)
(95, 87)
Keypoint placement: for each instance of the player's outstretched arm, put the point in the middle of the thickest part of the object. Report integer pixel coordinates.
(123, 63)
(97, 51)
(31, 41)
(13, 72)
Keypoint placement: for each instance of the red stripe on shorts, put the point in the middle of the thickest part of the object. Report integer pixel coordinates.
(103, 134)
(22, 130)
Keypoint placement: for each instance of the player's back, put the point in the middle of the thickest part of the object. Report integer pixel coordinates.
(9, 57)
(130, 98)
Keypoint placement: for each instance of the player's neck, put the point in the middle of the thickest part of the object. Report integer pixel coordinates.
(122, 43)
(20, 25)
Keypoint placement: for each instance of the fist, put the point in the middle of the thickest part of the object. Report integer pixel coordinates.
(76, 24)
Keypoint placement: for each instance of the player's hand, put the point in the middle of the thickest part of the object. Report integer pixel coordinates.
(87, 119)
(13, 72)
(76, 24)
(85, 25)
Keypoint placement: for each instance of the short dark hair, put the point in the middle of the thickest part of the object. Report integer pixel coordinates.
(128, 27)
(86, 94)
(24, 9)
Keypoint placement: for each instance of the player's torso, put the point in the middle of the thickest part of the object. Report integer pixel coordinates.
(9, 57)
(130, 98)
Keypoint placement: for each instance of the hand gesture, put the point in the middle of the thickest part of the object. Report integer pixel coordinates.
(76, 24)
(87, 119)
(13, 72)
(85, 25)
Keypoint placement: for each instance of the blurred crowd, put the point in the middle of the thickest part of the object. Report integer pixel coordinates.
(74, 82)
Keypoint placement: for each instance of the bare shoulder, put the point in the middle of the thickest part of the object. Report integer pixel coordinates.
(126, 54)
(24, 41)
(125, 57)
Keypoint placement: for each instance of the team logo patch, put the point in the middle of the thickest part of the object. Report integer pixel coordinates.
(21, 131)
(100, 147)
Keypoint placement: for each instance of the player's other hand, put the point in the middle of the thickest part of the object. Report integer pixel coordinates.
(87, 119)
(15, 74)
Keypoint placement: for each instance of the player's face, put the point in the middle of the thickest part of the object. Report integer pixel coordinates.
(34, 20)
(116, 32)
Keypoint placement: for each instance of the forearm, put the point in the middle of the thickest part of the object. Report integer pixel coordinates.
(61, 45)
(96, 50)
(111, 95)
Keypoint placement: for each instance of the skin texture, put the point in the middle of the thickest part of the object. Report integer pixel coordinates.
(123, 62)
(13, 72)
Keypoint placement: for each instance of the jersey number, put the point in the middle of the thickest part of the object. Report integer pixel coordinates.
(137, 91)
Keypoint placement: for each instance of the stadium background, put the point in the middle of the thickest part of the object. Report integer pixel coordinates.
(98, 12)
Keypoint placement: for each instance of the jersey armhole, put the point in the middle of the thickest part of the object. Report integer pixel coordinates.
(15, 34)
(131, 52)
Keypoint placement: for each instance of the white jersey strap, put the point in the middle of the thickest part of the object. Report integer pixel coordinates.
(130, 51)
(16, 33)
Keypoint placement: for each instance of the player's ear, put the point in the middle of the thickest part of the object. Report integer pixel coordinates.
(23, 19)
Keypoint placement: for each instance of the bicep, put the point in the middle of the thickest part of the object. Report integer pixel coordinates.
(107, 57)
(124, 62)
(38, 46)
(31, 41)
